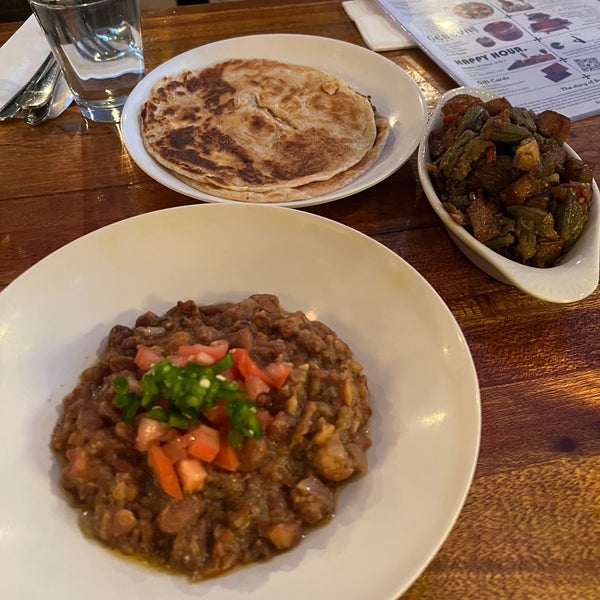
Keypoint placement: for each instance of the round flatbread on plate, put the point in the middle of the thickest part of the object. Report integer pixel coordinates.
(257, 125)
(401, 113)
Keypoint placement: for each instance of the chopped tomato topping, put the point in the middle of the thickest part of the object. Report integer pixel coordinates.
(205, 443)
(278, 373)
(202, 354)
(217, 416)
(164, 472)
(178, 361)
(274, 375)
(227, 457)
(145, 357)
(255, 385)
(246, 366)
(178, 459)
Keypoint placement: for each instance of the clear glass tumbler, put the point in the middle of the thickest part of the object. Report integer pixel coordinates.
(98, 44)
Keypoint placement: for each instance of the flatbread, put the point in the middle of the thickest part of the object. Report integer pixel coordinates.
(309, 190)
(256, 125)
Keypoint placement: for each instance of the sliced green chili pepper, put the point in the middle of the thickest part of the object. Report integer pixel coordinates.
(178, 396)
(243, 421)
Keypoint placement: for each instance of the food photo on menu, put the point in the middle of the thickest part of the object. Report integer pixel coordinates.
(538, 54)
(511, 7)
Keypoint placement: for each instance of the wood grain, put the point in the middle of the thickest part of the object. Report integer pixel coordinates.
(530, 527)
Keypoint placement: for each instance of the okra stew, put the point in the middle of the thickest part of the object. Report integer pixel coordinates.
(213, 436)
(503, 173)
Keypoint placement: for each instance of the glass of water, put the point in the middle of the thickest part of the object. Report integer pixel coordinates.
(98, 44)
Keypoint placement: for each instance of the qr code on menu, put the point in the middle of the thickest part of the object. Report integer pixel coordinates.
(588, 65)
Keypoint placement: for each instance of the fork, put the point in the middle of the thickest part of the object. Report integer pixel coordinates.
(96, 48)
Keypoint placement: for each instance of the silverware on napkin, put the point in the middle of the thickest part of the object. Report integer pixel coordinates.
(32, 86)
(38, 95)
(33, 101)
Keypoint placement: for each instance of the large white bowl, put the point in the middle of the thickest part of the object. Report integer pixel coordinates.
(574, 278)
(426, 412)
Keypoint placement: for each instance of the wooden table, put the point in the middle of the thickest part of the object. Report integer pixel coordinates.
(530, 528)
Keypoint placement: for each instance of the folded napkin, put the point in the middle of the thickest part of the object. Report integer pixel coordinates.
(378, 32)
(20, 58)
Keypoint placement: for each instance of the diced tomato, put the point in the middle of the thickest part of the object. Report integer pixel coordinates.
(145, 357)
(275, 374)
(202, 354)
(246, 366)
(192, 474)
(150, 432)
(178, 361)
(255, 385)
(164, 472)
(205, 443)
(217, 416)
(227, 457)
(278, 372)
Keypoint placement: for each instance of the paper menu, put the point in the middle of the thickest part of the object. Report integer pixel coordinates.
(538, 53)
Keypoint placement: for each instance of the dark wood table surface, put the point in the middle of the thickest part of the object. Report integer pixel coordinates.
(530, 527)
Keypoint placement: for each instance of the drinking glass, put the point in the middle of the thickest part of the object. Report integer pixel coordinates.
(98, 44)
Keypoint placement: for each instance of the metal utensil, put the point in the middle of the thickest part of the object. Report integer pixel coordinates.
(97, 48)
(12, 109)
(36, 116)
(40, 95)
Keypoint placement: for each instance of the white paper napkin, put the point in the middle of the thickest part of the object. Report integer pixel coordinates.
(378, 32)
(20, 58)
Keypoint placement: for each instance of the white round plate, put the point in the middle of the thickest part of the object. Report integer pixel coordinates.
(575, 276)
(425, 397)
(393, 92)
